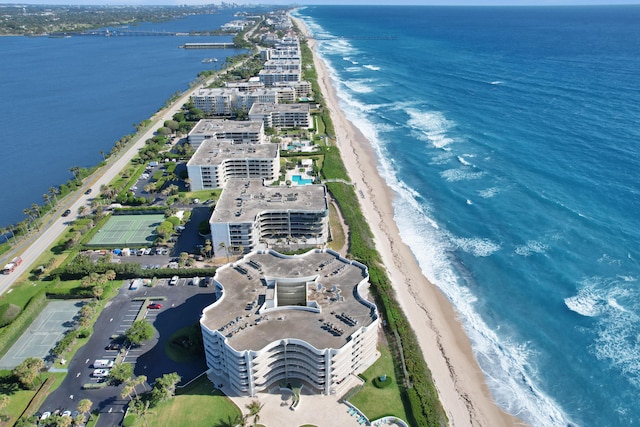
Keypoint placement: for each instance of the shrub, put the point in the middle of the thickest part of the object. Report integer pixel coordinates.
(8, 313)
(378, 383)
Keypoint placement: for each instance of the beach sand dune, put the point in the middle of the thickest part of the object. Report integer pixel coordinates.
(460, 382)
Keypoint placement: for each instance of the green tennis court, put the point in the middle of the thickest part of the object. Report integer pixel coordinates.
(128, 230)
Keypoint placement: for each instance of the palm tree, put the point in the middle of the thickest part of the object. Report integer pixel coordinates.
(254, 410)
(47, 199)
(53, 191)
(74, 170)
(82, 210)
(223, 247)
(127, 391)
(208, 248)
(84, 406)
(97, 291)
(142, 409)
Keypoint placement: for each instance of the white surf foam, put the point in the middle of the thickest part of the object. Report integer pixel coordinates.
(506, 363)
(617, 328)
(455, 175)
(586, 303)
(432, 125)
(360, 86)
(477, 246)
(496, 82)
(489, 192)
(372, 67)
(464, 161)
(531, 247)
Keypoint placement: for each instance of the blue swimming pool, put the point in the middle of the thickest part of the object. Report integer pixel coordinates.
(297, 179)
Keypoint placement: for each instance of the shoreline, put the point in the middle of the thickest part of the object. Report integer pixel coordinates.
(460, 382)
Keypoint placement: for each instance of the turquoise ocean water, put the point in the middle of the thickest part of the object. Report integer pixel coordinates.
(512, 141)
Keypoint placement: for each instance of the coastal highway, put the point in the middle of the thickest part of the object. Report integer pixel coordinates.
(36, 243)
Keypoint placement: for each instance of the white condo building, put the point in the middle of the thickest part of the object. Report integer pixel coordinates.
(271, 77)
(217, 161)
(249, 213)
(220, 101)
(282, 115)
(279, 318)
(240, 132)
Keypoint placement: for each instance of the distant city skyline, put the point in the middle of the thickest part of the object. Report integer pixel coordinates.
(335, 2)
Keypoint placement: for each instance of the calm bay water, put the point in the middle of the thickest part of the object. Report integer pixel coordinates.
(510, 136)
(63, 100)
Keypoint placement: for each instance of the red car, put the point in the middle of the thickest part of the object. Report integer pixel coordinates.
(154, 305)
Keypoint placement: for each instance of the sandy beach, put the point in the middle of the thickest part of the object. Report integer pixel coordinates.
(460, 382)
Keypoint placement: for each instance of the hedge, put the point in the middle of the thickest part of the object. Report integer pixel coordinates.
(10, 334)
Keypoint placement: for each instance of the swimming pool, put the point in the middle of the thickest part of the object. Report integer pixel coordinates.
(298, 180)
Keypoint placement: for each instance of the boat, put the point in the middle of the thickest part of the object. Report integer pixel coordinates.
(209, 60)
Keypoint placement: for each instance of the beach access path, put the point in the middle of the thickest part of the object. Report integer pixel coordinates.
(459, 380)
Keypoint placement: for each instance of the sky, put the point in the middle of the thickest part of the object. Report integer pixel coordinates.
(326, 2)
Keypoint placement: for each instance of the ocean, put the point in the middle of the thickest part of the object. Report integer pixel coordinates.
(511, 139)
(64, 100)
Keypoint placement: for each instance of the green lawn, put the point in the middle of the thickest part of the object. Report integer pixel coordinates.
(198, 405)
(375, 402)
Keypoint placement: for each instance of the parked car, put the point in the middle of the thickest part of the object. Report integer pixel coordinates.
(174, 281)
(66, 413)
(100, 373)
(45, 415)
(155, 306)
(113, 346)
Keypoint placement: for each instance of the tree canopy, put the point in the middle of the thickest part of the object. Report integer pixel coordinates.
(140, 332)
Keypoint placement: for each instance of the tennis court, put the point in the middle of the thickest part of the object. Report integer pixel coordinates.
(128, 230)
(43, 334)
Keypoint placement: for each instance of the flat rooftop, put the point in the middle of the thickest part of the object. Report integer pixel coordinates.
(265, 107)
(213, 152)
(243, 199)
(243, 314)
(214, 126)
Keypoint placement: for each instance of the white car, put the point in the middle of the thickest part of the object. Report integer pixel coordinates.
(66, 414)
(45, 415)
(100, 373)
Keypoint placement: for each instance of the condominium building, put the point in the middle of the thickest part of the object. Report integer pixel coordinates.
(245, 86)
(278, 319)
(240, 132)
(283, 64)
(302, 88)
(216, 101)
(271, 77)
(249, 213)
(217, 161)
(282, 115)
(271, 95)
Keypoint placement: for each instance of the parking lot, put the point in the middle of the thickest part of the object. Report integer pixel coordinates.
(182, 305)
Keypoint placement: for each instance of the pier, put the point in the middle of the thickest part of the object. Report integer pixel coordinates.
(207, 46)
